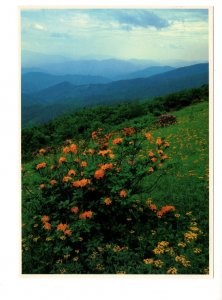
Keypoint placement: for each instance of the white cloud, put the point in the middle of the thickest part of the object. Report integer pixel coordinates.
(39, 27)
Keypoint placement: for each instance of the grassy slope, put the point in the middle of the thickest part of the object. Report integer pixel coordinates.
(186, 184)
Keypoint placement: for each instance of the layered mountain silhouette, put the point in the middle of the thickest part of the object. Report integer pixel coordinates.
(44, 105)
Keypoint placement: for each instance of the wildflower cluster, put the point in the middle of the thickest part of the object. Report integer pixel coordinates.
(86, 209)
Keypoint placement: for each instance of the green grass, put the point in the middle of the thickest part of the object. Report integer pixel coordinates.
(186, 183)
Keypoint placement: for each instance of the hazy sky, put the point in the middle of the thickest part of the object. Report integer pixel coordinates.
(157, 34)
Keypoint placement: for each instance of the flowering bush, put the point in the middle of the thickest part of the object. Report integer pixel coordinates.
(86, 210)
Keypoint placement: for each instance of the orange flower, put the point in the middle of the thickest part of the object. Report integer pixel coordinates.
(151, 170)
(159, 141)
(66, 178)
(75, 209)
(107, 201)
(62, 160)
(71, 172)
(129, 131)
(123, 193)
(68, 232)
(151, 154)
(89, 214)
(148, 136)
(41, 166)
(160, 152)
(86, 214)
(66, 150)
(81, 183)
(45, 219)
(62, 227)
(73, 148)
(164, 210)
(104, 152)
(166, 144)
(164, 157)
(42, 151)
(111, 155)
(53, 182)
(106, 166)
(47, 226)
(153, 207)
(84, 164)
(94, 135)
(91, 151)
(117, 141)
(42, 186)
(99, 174)
(154, 159)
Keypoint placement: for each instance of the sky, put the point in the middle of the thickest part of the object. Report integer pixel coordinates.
(148, 34)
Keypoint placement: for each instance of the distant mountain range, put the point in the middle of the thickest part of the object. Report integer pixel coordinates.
(45, 104)
(147, 72)
(36, 81)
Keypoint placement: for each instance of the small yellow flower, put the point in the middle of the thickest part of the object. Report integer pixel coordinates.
(182, 245)
(189, 213)
(62, 271)
(35, 225)
(36, 239)
(148, 261)
(194, 228)
(163, 244)
(158, 263)
(62, 237)
(197, 250)
(76, 258)
(59, 261)
(158, 250)
(100, 267)
(189, 236)
(172, 270)
(182, 259)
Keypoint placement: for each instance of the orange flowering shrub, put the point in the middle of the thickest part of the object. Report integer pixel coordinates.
(94, 216)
